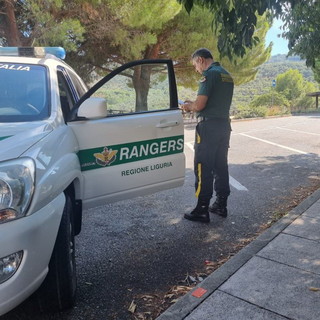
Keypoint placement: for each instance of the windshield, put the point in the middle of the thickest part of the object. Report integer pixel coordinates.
(23, 92)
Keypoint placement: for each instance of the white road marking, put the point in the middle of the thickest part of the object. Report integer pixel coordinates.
(274, 144)
(236, 184)
(305, 132)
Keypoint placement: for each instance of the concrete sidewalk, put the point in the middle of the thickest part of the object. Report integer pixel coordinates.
(275, 277)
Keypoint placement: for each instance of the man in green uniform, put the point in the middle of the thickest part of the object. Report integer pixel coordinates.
(212, 106)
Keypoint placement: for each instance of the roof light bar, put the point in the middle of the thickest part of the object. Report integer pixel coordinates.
(38, 52)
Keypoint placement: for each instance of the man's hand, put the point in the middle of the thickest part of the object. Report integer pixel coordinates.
(195, 106)
(187, 106)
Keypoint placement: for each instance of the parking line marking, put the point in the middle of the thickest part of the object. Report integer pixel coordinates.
(232, 181)
(312, 133)
(274, 144)
(236, 184)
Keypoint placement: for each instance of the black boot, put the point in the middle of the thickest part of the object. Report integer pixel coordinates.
(219, 207)
(199, 213)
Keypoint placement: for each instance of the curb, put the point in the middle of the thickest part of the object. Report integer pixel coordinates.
(185, 305)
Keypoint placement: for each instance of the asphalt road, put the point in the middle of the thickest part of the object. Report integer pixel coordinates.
(144, 246)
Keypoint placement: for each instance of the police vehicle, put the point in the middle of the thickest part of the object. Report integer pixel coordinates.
(65, 148)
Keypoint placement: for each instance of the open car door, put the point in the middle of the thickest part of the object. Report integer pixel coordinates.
(130, 133)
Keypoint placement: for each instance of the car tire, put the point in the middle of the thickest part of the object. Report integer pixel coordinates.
(58, 291)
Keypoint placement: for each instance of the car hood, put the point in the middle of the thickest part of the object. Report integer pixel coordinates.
(16, 138)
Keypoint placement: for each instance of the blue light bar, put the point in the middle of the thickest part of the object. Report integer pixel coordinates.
(38, 52)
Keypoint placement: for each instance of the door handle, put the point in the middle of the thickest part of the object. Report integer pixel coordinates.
(167, 124)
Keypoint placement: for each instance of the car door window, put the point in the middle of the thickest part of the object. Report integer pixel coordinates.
(141, 88)
(78, 84)
(66, 97)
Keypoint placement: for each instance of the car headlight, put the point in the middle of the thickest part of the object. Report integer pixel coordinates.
(16, 188)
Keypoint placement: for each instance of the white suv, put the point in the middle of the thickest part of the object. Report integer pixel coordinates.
(63, 150)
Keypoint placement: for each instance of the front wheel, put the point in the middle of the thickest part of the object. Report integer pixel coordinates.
(58, 290)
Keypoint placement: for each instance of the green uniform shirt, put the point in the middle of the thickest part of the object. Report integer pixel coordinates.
(217, 85)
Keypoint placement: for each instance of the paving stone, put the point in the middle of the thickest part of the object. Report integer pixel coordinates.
(305, 227)
(294, 251)
(278, 288)
(222, 306)
(313, 211)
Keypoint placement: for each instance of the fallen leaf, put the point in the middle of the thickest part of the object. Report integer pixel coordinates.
(147, 297)
(174, 301)
(132, 307)
(314, 289)
(182, 288)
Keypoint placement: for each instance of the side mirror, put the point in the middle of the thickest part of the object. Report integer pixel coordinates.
(93, 108)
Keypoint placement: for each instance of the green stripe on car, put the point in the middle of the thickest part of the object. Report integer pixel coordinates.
(106, 156)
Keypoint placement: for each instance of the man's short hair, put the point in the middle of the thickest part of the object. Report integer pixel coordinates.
(203, 53)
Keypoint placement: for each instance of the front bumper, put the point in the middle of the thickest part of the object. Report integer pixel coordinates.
(35, 235)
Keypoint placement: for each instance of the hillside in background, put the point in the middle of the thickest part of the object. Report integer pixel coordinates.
(277, 64)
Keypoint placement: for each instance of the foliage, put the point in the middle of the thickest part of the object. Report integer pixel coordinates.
(257, 98)
(316, 70)
(197, 26)
(290, 84)
(301, 28)
(127, 40)
(271, 99)
(268, 71)
(48, 22)
(265, 105)
(106, 33)
(246, 111)
(235, 21)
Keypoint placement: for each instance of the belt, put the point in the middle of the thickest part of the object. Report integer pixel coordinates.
(201, 118)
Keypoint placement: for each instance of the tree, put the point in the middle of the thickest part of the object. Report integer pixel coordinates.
(301, 28)
(198, 28)
(36, 22)
(302, 31)
(8, 23)
(134, 30)
(235, 22)
(272, 98)
(290, 84)
(304, 101)
(294, 88)
(107, 33)
(126, 31)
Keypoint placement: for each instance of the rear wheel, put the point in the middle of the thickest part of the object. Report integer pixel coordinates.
(59, 287)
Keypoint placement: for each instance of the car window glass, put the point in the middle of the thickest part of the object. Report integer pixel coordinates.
(66, 97)
(79, 86)
(141, 88)
(24, 92)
